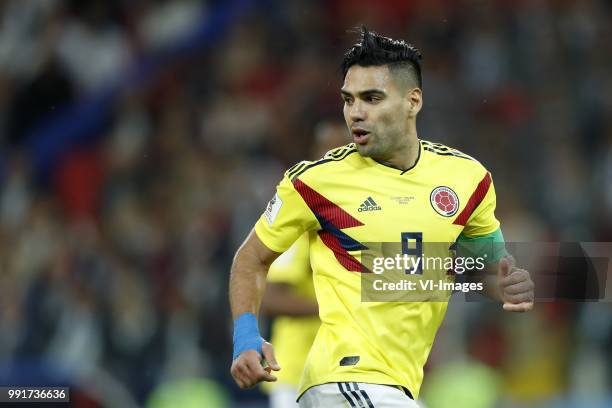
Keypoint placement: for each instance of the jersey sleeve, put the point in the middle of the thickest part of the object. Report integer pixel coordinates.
(482, 235)
(286, 218)
(482, 221)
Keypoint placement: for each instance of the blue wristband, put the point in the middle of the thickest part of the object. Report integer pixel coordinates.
(246, 334)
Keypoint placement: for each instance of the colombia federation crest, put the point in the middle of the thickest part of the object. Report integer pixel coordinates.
(444, 201)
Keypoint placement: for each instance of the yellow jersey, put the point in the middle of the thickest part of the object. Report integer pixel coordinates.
(344, 200)
(292, 336)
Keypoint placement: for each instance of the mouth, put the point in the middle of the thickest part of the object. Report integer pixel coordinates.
(360, 136)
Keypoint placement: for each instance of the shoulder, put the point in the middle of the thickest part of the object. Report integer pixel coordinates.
(328, 162)
(452, 158)
(446, 151)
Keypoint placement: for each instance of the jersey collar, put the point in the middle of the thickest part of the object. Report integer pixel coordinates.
(393, 170)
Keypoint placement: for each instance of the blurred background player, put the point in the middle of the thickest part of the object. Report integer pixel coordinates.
(290, 297)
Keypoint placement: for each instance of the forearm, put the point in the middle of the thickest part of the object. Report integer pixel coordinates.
(247, 282)
(246, 288)
(490, 286)
(489, 279)
(490, 247)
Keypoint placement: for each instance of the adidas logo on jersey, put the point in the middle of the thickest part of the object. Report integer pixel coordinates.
(369, 205)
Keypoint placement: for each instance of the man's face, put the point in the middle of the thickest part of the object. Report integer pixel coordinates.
(377, 111)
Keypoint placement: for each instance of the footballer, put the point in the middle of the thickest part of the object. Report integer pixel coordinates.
(369, 354)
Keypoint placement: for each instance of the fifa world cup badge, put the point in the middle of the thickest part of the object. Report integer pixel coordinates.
(273, 208)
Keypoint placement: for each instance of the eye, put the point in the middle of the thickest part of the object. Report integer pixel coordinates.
(373, 99)
(347, 101)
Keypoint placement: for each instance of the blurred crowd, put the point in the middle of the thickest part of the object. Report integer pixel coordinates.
(114, 255)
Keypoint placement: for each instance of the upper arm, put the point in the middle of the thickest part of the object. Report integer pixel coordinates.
(254, 249)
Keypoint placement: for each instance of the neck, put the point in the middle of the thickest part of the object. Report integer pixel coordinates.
(405, 157)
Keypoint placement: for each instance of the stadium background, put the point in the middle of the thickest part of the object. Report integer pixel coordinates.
(139, 140)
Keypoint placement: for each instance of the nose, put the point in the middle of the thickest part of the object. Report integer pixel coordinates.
(357, 112)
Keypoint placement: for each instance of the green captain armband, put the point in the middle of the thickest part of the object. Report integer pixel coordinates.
(491, 247)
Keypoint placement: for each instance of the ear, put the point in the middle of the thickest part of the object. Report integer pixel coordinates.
(415, 99)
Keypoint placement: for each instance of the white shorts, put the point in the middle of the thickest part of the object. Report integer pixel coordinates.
(355, 395)
(283, 396)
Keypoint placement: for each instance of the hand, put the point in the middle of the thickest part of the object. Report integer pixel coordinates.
(515, 285)
(247, 368)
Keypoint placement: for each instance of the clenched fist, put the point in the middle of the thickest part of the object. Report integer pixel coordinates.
(515, 286)
(248, 370)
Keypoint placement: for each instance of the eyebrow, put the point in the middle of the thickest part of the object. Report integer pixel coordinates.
(364, 93)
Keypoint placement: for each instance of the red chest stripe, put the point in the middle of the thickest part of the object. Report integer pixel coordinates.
(332, 219)
(325, 208)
